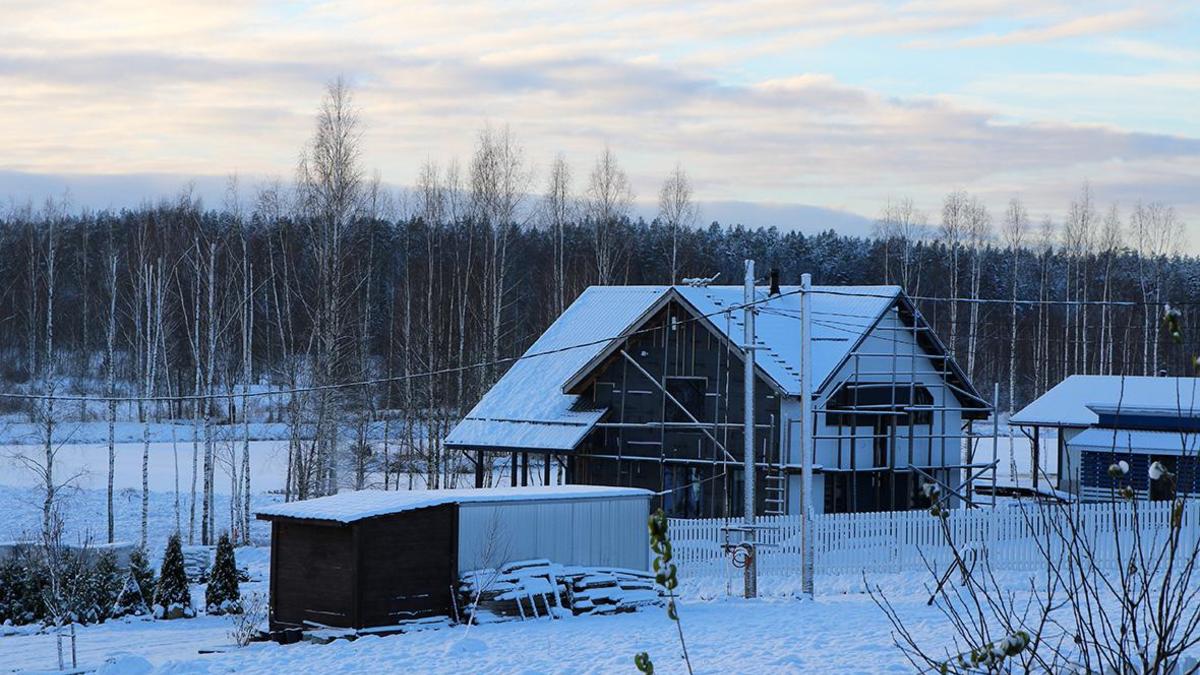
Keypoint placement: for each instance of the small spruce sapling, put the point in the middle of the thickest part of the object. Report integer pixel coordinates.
(106, 584)
(143, 574)
(223, 595)
(173, 598)
(129, 599)
(665, 576)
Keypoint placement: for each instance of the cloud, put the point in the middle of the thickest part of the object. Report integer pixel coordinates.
(1097, 24)
(738, 93)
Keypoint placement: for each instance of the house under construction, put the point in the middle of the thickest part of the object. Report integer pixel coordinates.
(642, 386)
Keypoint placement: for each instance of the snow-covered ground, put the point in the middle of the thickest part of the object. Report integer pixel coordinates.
(833, 634)
(841, 631)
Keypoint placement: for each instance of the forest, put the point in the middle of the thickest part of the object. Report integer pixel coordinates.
(376, 318)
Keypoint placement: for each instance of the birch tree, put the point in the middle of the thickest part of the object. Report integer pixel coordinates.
(557, 212)
(609, 200)
(330, 181)
(903, 227)
(955, 211)
(1016, 221)
(677, 210)
(1109, 245)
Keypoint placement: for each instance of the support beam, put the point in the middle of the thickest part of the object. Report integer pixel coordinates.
(512, 470)
(479, 468)
(524, 469)
(682, 407)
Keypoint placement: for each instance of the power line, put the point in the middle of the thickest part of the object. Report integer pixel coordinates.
(384, 380)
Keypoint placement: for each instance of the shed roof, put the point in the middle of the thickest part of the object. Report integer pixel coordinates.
(1074, 401)
(1138, 441)
(348, 507)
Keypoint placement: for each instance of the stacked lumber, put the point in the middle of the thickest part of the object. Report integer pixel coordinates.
(539, 589)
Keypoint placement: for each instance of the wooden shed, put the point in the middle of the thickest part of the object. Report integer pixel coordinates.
(374, 558)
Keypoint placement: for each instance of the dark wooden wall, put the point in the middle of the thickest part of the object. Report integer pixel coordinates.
(701, 371)
(312, 574)
(408, 563)
(374, 572)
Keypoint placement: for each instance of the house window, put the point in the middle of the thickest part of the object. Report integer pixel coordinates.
(690, 392)
(910, 402)
(681, 487)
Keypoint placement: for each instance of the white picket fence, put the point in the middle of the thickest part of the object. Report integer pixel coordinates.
(1011, 538)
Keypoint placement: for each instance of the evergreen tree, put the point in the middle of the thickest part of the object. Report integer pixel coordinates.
(129, 599)
(143, 574)
(222, 595)
(105, 583)
(173, 598)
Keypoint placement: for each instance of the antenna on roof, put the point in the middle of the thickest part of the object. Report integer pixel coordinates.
(700, 282)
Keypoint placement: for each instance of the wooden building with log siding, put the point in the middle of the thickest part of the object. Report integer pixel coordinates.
(642, 386)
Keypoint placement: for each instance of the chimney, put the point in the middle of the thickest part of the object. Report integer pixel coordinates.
(774, 281)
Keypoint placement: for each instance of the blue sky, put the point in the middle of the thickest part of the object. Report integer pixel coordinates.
(837, 105)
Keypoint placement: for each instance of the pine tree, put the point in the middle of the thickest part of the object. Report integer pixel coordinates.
(222, 595)
(173, 598)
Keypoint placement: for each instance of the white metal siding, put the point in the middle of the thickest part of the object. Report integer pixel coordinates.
(592, 532)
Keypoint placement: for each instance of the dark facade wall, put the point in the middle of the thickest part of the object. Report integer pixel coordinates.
(700, 371)
(407, 565)
(312, 574)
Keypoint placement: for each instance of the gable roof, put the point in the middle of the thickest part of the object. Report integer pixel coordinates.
(529, 407)
(348, 507)
(1074, 401)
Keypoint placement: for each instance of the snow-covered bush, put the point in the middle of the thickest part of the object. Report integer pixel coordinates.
(21, 588)
(222, 595)
(172, 597)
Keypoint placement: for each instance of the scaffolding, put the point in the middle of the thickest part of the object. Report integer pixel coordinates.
(917, 385)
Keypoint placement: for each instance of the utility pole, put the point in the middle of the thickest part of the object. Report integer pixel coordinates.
(806, 436)
(751, 568)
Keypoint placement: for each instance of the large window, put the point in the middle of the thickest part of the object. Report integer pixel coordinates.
(912, 404)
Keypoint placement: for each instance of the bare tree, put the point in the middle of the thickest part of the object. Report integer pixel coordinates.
(901, 225)
(1157, 236)
(609, 200)
(677, 210)
(110, 368)
(330, 185)
(955, 215)
(558, 209)
(979, 234)
(499, 181)
(1109, 245)
(1016, 221)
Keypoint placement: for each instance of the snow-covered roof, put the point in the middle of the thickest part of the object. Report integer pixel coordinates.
(528, 409)
(1074, 401)
(841, 316)
(1138, 441)
(347, 507)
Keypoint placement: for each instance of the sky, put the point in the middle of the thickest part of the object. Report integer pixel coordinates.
(783, 112)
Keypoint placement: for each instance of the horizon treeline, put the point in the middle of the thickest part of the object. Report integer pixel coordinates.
(327, 280)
